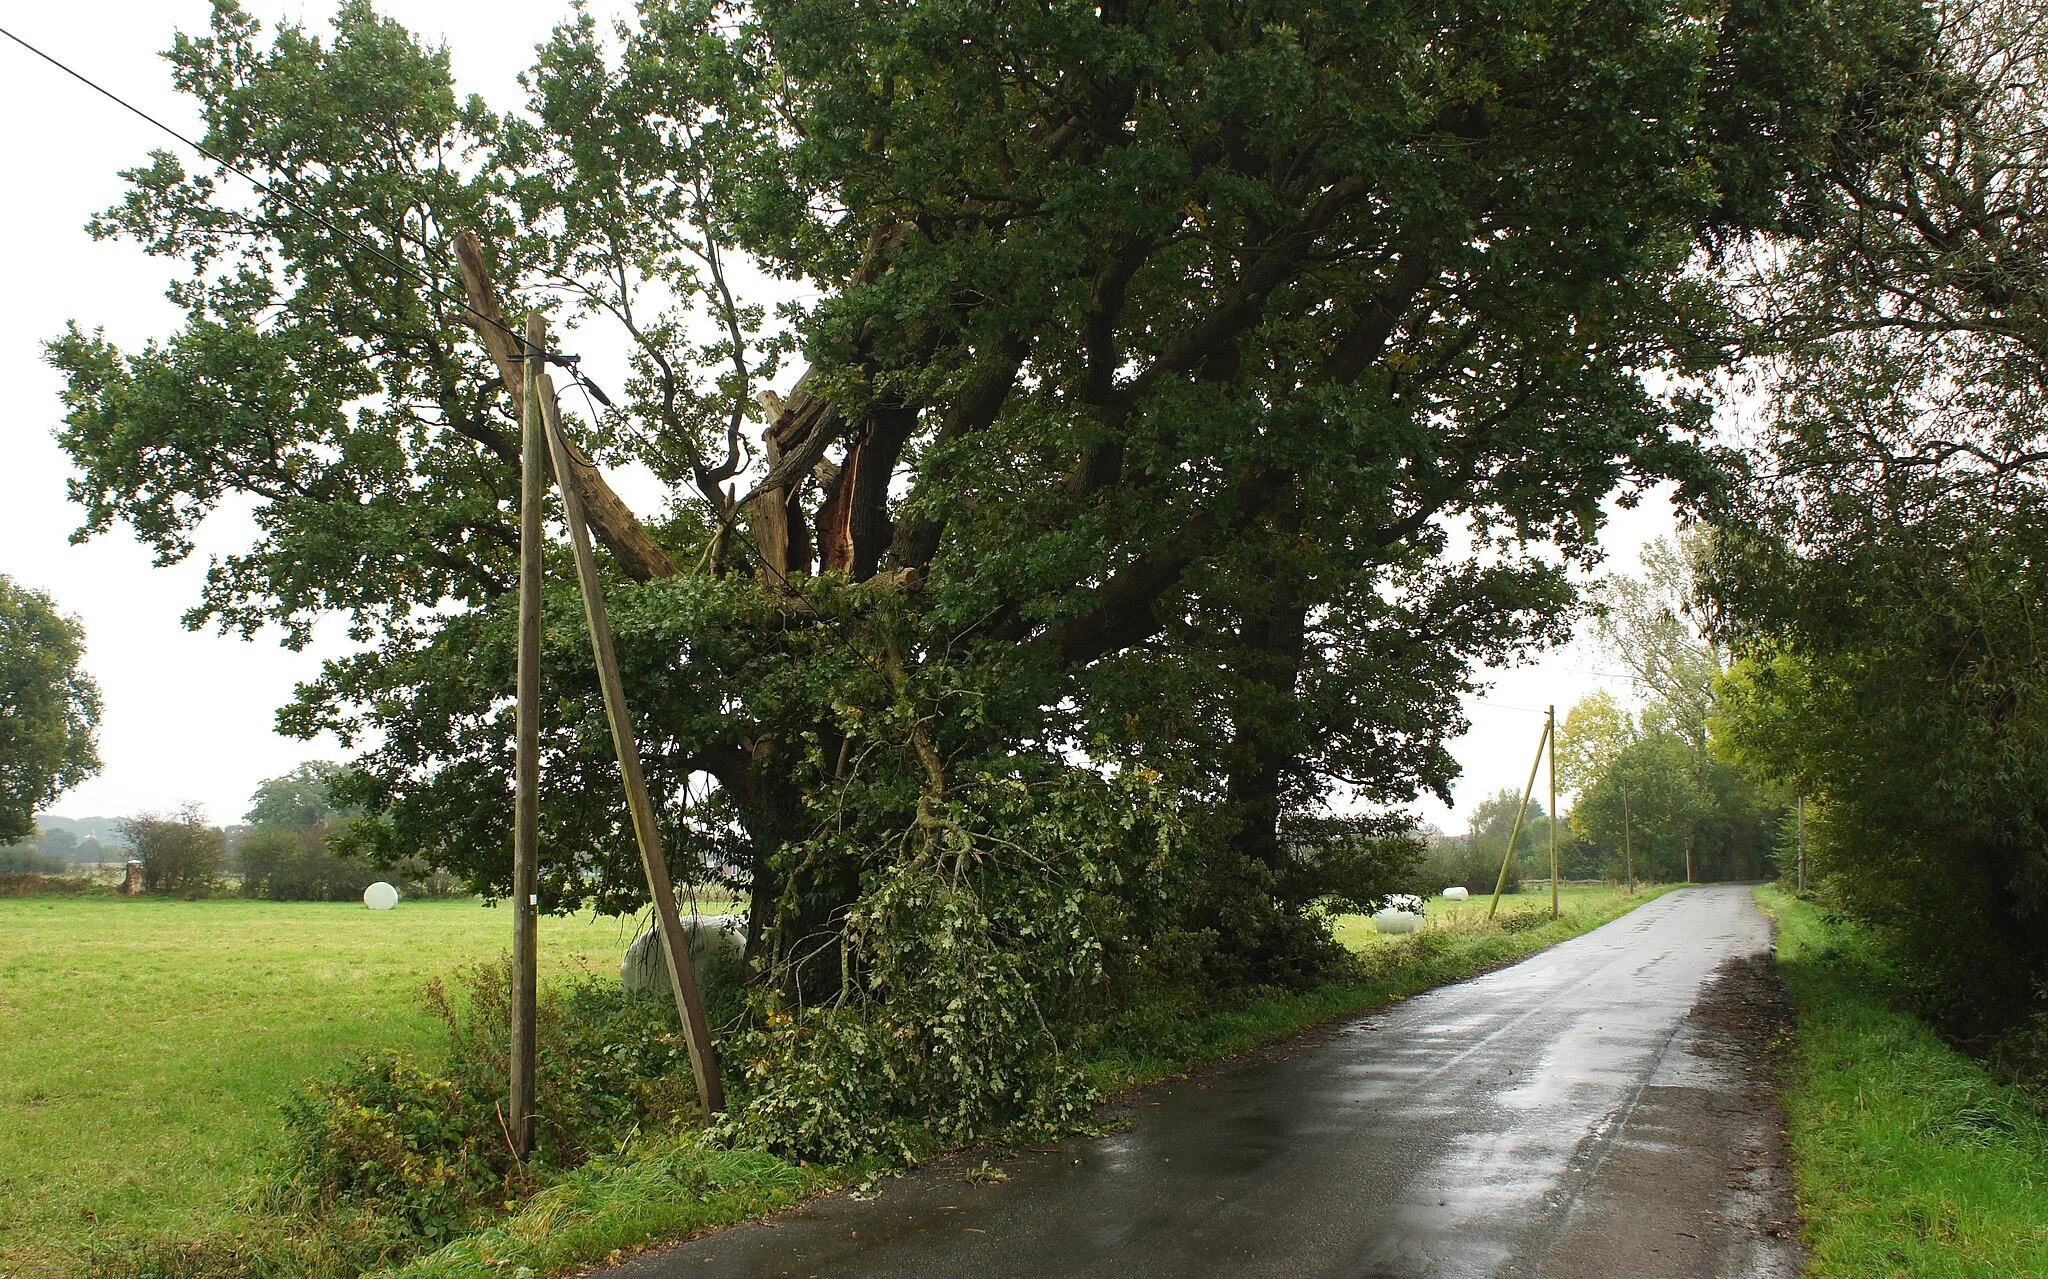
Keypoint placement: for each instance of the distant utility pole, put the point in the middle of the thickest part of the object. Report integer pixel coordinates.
(1628, 848)
(1688, 859)
(1550, 732)
(1799, 826)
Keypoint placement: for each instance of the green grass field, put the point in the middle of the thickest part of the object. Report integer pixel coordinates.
(1577, 901)
(146, 1045)
(1911, 1160)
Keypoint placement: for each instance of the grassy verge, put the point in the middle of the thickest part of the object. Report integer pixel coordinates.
(610, 1206)
(146, 1045)
(1911, 1160)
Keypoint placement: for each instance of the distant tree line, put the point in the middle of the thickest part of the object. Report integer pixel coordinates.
(286, 849)
(1654, 788)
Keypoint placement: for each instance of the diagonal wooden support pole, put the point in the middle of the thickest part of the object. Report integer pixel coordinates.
(682, 974)
(1550, 734)
(1501, 884)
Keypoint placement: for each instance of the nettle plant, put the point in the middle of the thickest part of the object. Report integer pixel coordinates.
(1157, 353)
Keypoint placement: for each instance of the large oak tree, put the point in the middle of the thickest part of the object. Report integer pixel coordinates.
(1195, 393)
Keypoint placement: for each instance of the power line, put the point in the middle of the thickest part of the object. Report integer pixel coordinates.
(1506, 706)
(269, 189)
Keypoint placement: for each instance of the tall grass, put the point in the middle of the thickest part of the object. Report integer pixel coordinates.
(1911, 1159)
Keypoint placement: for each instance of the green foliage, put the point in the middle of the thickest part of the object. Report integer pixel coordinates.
(1456, 861)
(299, 800)
(1156, 352)
(971, 969)
(1883, 575)
(424, 1148)
(1350, 864)
(1592, 736)
(404, 1141)
(1921, 817)
(49, 707)
(180, 853)
(1657, 785)
(286, 864)
(1493, 825)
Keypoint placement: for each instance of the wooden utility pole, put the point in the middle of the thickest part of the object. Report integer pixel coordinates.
(682, 974)
(526, 785)
(1528, 788)
(1550, 732)
(1628, 848)
(1799, 827)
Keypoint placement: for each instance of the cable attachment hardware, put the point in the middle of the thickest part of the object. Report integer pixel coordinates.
(573, 365)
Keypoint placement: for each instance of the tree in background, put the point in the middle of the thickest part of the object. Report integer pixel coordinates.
(26, 857)
(1493, 821)
(295, 864)
(296, 846)
(1595, 731)
(1655, 781)
(1646, 623)
(299, 800)
(1884, 574)
(49, 707)
(1655, 776)
(1155, 350)
(180, 853)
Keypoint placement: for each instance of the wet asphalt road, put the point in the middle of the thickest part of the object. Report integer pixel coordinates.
(1587, 1112)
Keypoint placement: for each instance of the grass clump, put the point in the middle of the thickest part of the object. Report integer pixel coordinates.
(1912, 1158)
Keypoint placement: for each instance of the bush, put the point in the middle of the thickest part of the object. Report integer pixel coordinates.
(286, 864)
(1452, 860)
(180, 854)
(26, 858)
(428, 1149)
(14, 884)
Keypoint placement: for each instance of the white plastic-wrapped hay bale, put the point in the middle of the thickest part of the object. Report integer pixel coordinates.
(1455, 894)
(645, 967)
(380, 896)
(1402, 913)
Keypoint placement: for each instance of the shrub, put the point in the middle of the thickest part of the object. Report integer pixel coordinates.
(14, 884)
(1453, 860)
(180, 853)
(26, 858)
(429, 1150)
(295, 864)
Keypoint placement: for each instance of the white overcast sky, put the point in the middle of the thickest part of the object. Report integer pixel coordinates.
(189, 716)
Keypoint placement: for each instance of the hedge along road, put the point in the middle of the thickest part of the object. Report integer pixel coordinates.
(1605, 1108)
